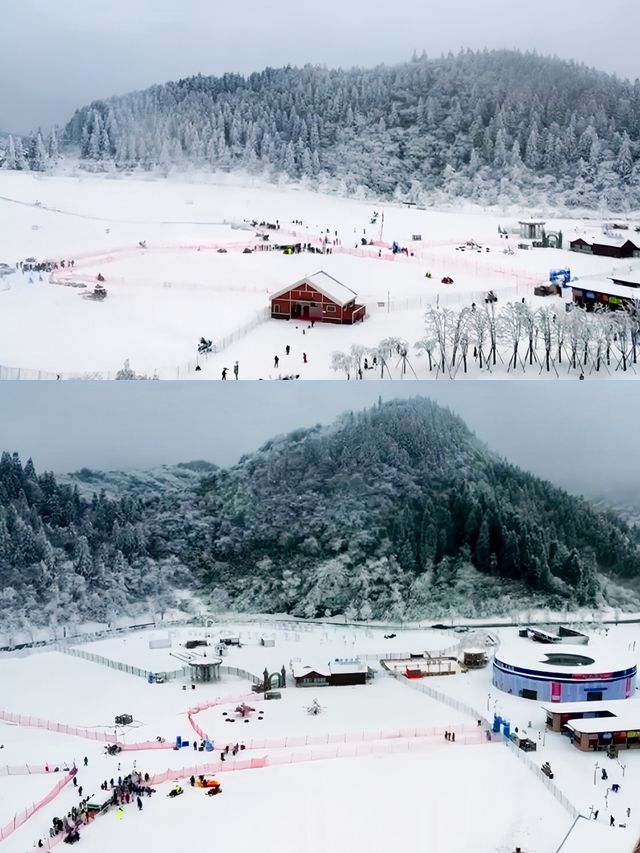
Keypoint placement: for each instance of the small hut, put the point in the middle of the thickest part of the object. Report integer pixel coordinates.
(531, 229)
(474, 658)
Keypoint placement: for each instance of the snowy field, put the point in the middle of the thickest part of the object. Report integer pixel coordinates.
(163, 298)
(371, 771)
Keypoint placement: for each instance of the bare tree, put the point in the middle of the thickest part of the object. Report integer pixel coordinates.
(510, 328)
(545, 321)
(341, 361)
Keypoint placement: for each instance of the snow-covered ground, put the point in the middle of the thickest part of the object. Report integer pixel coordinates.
(382, 776)
(162, 299)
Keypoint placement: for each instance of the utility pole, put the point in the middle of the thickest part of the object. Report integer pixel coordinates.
(381, 224)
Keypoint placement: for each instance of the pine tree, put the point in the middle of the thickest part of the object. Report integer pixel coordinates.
(10, 161)
(624, 163)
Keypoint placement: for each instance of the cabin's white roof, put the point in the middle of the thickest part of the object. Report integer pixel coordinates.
(299, 670)
(327, 285)
(533, 656)
(597, 725)
(616, 706)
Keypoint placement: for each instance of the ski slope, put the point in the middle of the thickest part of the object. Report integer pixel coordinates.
(372, 771)
(163, 298)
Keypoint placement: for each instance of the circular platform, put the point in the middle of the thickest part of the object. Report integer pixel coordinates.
(564, 673)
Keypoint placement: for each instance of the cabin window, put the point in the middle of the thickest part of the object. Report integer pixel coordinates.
(276, 308)
(331, 309)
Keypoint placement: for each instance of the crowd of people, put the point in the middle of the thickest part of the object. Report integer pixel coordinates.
(32, 265)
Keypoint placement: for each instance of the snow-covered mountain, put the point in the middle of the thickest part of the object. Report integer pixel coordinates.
(491, 125)
(396, 512)
(143, 484)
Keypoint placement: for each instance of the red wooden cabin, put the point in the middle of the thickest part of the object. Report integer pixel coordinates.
(318, 297)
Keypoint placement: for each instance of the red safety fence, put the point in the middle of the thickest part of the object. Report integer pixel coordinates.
(220, 700)
(31, 769)
(22, 817)
(343, 750)
(36, 722)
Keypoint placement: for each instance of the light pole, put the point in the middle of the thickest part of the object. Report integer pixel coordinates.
(595, 770)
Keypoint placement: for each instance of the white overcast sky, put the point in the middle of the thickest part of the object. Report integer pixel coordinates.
(57, 55)
(580, 435)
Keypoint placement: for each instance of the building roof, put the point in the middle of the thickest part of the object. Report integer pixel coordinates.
(532, 222)
(616, 706)
(342, 667)
(536, 657)
(606, 286)
(597, 725)
(325, 284)
(300, 671)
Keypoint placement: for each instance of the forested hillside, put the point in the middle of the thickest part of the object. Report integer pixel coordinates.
(64, 558)
(396, 512)
(386, 510)
(492, 126)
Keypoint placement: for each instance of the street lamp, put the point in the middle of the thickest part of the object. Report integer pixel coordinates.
(595, 770)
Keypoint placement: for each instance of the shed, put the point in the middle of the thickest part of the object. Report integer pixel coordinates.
(348, 671)
(319, 297)
(306, 676)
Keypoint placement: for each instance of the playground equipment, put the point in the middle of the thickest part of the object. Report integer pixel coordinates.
(243, 709)
(112, 749)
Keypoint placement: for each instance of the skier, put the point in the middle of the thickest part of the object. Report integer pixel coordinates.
(120, 812)
(605, 775)
(276, 361)
(612, 821)
(595, 814)
(236, 369)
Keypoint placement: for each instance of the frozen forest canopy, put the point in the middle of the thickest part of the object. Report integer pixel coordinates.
(493, 126)
(396, 512)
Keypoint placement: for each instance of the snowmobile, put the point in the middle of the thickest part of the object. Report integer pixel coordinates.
(113, 749)
(175, 792)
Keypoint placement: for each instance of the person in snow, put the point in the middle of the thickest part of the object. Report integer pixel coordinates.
(75, 782)
(287, 349)
(605, 775)
(120, 813)
(304, 357)
(86, 761)
(224, 372)
(612, 821)
(139, 802)
(276, 361)
(236, 369)
(192, 781)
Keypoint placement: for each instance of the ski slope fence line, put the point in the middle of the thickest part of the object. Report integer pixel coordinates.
(61, 728)
(32, 769)
(409, 733)
(22, 817)
(462, 707)
(171, 675)
(354, 750)
(179, 371)
(549, 783)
